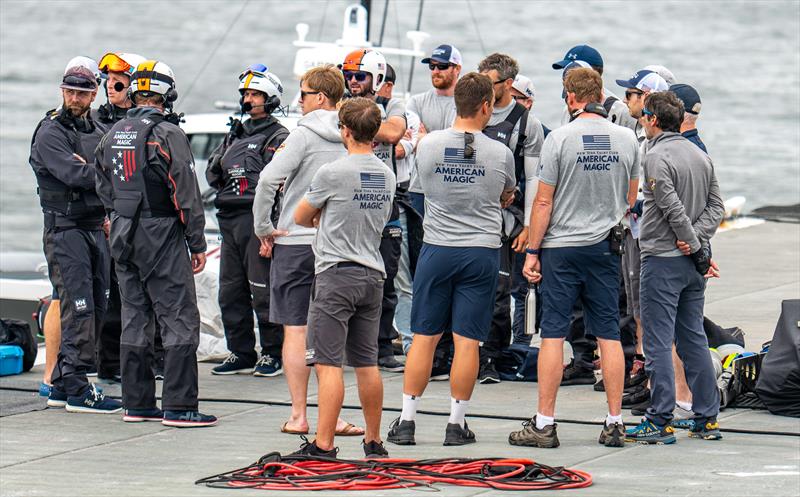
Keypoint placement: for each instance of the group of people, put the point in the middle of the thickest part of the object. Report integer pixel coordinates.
(376, 217)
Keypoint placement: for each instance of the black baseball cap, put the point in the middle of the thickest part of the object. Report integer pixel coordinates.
(689, 97)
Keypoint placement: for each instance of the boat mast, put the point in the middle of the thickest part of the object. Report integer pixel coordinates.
(367, 4)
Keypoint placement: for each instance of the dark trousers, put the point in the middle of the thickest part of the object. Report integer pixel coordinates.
(390, 252)
(157, 285)
(499, 337)
(244, 288)
(672, 299)
(78, 263)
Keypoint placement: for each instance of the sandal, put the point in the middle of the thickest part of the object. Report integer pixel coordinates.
(350, 430)
(293, 432)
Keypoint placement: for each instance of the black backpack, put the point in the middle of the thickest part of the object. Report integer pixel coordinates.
(16, 332)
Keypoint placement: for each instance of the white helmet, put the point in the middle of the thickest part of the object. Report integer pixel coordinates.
(152, 76)
(369, 61)
(87, 62)
(257, 77)
(120, 62)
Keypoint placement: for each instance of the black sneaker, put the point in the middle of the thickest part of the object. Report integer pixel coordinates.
(142, 415)
(530, 436)
(401, 432)
(188, 419)
(454, 434)
(488, 373)
(612, 436)
(601, 387)
(636, 397)
(389, 363)
(576, 375)
(310, 449)
(374, 450)
(113, 376)
(267, 366)
(440, 373)
(637, 379)
(93, 401)
(233, 365)
(158, 373)
(640, 409)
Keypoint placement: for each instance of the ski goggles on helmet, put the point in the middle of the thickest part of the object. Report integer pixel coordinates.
(359, 76)
(254, 69)
(112, 62)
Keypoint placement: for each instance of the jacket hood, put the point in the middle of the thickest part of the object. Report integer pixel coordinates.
(324, 123)
(664, 137)
(142, 111)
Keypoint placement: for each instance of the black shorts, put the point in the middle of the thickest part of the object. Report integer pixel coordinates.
(344, 316)
(290, 277)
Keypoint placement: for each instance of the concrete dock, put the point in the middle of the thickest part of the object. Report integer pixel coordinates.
(49, 452)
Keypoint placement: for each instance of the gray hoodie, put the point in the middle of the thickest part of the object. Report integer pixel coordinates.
(315, 141)
(681, 196)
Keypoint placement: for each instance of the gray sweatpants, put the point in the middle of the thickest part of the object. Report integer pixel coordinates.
(672, 299)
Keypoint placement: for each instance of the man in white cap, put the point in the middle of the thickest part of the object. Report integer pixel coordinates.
(522, 91)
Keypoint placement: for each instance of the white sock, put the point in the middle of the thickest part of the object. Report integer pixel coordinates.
(610, 420)
(684, 405)
(542, 421)
(458, 409)
(410, 405)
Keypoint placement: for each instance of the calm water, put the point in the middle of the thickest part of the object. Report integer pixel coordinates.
(742, 57)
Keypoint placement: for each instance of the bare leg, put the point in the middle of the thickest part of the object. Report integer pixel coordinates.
(370, 392)
(331, 397)
(297, 374)
(464, 371)
(52, 338)
(639, 335)
(613, 362)
(550, 370)
(419, 364)
(682, 392)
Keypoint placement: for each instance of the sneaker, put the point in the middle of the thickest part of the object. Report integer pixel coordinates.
(640, 409)
(682, 418)
(401, 432)
(374, 450)
(440, 373)
(110, 376)
(92, 372)
(576, 375)
(158, 373)
(601, 387)
(267, 366)
(142, 415)
(93, 401)
(708, 430)
(648, 432)
(389, 363)
(454, 434)
(612, 436)
(45, 389)
(530, 436)
(488, 373)
(638, 396)
(639, 378)
(233, 365)
(310, 449)
(57, 398)
(188, 419)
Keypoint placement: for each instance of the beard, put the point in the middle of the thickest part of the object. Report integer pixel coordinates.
(76, 110)
(442, 81)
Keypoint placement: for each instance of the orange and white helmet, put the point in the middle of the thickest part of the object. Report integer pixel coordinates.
(120, 62)
(368, 61)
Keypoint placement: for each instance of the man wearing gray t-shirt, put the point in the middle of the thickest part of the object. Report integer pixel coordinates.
(587, 181)
(466, 178)
(349, 201)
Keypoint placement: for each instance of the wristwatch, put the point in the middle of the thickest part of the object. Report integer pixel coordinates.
(532, 251)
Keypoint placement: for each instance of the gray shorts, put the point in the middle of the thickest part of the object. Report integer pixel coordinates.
(631, 267)
(344, 316)
(290, 277)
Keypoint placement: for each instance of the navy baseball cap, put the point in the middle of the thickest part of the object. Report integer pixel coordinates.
(580, 52)
(689, 97)
(444, 54)
(645, 80)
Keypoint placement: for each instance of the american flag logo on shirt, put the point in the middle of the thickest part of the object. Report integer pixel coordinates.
(124, 164)
(373, 181)
(456, 156)
(596, 142)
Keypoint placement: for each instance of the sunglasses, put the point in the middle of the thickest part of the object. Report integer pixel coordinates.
(630, 93)
(303, 94)
(646, 112)
(78, 82)
(441, 67)
(500, 81)
(358, 75)
(519, 98)
(469, 139)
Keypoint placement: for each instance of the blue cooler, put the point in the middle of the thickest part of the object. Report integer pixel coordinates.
(10, 359)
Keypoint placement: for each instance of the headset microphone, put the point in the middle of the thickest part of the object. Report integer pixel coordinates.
(247, 107)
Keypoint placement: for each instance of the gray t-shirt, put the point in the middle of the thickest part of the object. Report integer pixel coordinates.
(355, 194)
(590, 162)
(435, 111)
(462, 195)
(383, 150)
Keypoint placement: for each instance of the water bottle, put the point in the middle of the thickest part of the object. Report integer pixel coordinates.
(530, 316)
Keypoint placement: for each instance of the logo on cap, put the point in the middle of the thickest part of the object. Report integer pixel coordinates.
(573, 56)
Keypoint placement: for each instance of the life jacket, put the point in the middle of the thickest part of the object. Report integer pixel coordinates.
(241, 164)
(108, 114)
(386, 152)
(67, 206)
(504, 130)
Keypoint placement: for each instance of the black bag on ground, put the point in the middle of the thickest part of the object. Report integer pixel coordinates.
(16, 332)
(778, 383)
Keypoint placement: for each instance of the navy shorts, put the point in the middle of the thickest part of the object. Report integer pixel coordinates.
(454, 290)
(590, 272)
